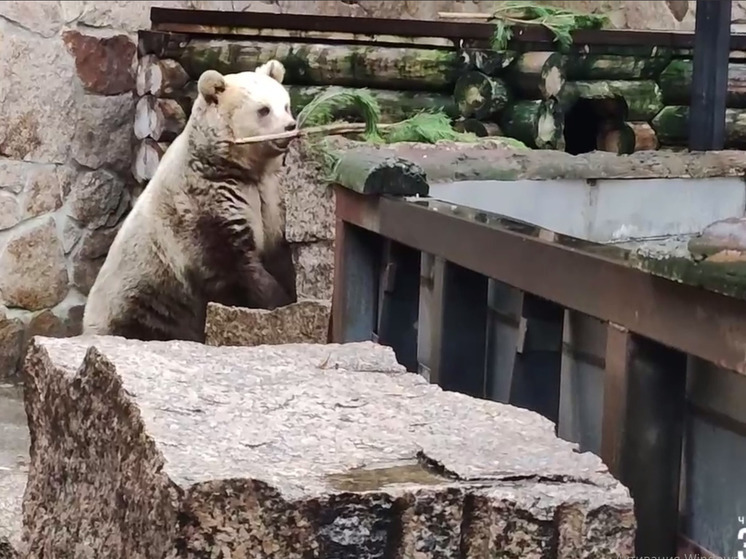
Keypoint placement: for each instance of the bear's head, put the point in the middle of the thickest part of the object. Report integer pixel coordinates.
(242, 105)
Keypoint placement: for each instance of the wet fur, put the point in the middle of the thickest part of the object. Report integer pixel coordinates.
(208, 227)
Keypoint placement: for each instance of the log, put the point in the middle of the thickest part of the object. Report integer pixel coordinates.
(538, 75)
(645, 137)
(643, 98)
(671, 126)
(626, 137)
(159, 119)
(479, 128)
(480, 96)
(586, 67)
(162, 78)
(676, 84)
(491, 62)
(491, 160)
(616, 138)
(368, 172)
(536, 123)
(319, 64)
(395, 105)
(147, 158)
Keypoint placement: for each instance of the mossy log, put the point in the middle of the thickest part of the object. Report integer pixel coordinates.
(537, 123)
(395, 105)
(627, 137)
(586, 67)
(478, 128)
(671, 126)
(162, 78)
(676, 84)
(318, 64)
(373, 173)
(479, 95)
(643, 98)
(538, 75)
(490, 62)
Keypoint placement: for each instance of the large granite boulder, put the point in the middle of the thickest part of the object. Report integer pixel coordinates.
(305, 321)
(14, 442)
(176, 449)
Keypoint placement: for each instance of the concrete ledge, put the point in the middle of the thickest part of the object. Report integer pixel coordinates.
(183, 450)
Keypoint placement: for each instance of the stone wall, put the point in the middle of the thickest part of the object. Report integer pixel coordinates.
(66, 112)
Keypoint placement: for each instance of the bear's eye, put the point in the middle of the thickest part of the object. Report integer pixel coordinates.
(264, 111)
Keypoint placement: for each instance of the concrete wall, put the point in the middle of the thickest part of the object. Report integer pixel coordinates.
(66, 113)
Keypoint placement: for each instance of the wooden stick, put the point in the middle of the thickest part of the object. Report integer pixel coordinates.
(329, 129)
(463, 15)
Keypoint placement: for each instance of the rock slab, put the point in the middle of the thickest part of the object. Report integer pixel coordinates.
(305, 321)
(177, 449)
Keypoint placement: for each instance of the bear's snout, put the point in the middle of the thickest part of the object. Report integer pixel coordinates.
(290, 126)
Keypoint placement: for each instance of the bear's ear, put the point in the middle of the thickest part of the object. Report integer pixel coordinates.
(274, 69)
(211, 84)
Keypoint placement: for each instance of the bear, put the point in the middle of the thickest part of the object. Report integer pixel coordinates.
(210, 224)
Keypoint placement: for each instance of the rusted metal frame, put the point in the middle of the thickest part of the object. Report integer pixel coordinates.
(398, 305)
(161, 17)
(538, 364)
(355, 297)
(670, 313)
(458, 329)
(643, 430)
(710, 75)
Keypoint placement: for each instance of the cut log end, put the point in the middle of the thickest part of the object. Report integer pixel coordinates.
(480, 96)
(159, 119)
(147, 158)
(536, 123)
(538, 75)
(373, 173)
(162, 78)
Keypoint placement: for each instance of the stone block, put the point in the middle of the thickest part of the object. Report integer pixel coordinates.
(14, 443)
(295, 451)
(33, 273)
(306, 321)
(105, 65)
(309, 199)
(12, 334)
(314, 269)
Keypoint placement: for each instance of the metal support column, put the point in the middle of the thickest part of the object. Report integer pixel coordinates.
(710, 75)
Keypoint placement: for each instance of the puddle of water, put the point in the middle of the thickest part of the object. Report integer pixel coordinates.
(370, 479)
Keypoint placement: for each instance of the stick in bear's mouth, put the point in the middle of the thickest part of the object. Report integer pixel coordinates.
(329, 129)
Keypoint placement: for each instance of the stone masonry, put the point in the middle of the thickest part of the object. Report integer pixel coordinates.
(291, 451)
(67, 75)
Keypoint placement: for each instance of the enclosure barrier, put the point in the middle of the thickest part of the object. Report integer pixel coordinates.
(584, 333)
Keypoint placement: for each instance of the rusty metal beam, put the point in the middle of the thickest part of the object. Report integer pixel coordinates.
(161, 18)
(687, 318)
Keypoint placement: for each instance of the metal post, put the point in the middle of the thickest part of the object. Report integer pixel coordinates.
(710, 75)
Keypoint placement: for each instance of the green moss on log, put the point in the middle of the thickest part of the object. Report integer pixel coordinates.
(676, 84)
(643, 98)
(479, 95)
(374, 173)
(615, 67)
(488, 61)
(671, 126)
(538, 75)
(395, 105)
(536, 123)
(319, 64)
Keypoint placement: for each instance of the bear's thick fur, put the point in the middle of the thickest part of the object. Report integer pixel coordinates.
(210, 224)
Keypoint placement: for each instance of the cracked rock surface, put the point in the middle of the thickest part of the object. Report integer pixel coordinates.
(177, 449)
